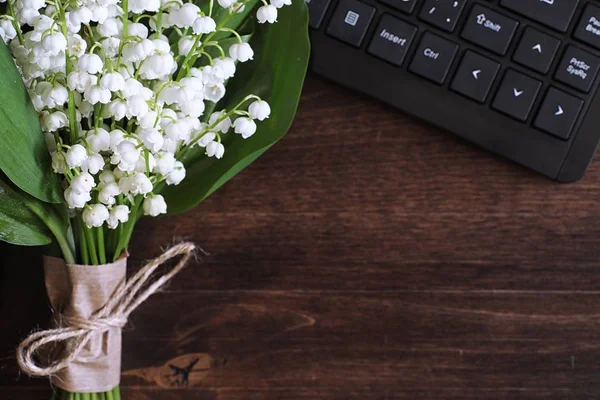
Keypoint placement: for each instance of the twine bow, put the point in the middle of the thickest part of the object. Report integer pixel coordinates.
(114, 314)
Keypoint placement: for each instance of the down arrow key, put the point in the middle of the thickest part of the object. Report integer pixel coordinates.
(516, 95)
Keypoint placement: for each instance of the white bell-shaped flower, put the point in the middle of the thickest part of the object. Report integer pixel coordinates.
(98, 139)
(241, 52)
(259, 110)
(226, 3)
(185, 45)
(94, 164)
(7, 31)
(118, 214)
(51, 122)
(77, 45)
(95, 94)
(117, 109)
(107, 193)
(165, 162)
(80, 81)
(107, 176)
(281, 3)
(54, 43)
(227, 65)
(82, 183)
(267, 13)
(137, 106)
(204, 25)
(215, 149)
(76, 155)
(185, 16)
(90, 63)
(176, 175)
(138, 183)
(110, 27)
(152, 138)
(245, 127)
(219, 122)
(76, 200)
(155, 205)
(112, 81)
(95, 215)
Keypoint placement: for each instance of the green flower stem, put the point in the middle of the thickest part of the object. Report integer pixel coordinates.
(101, 250)
(85, 255)
(125, 6)
(114, 394)
(125, 236)
(89, 237)
(69, 68)
(15, 24)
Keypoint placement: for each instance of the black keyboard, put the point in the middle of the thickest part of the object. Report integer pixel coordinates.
(516, 77)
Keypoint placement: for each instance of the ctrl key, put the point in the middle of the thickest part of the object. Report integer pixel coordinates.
(433, 58)
(558, 113)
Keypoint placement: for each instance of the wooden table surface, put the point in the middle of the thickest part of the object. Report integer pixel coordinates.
(366, 256)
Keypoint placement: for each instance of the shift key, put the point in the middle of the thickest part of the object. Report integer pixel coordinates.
(392, 39)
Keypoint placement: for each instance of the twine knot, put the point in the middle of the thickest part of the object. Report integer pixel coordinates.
(76, 332)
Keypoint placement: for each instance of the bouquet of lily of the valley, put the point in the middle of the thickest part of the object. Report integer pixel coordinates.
(111, 110)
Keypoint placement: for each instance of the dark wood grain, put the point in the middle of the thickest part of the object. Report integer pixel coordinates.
(366, 256)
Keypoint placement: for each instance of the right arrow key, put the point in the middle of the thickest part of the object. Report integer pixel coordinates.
(558, 113)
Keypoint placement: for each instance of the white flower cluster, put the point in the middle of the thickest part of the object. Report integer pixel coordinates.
(121, 87)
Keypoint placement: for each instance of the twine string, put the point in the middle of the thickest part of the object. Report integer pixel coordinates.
(77, 332)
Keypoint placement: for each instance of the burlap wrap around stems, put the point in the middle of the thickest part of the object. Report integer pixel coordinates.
(77, 292)
(93, 304)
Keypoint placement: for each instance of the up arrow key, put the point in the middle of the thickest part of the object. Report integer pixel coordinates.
(559, 111)
(537, 48)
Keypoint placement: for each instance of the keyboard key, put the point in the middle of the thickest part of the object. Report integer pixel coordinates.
(588, 30)
(578, 69)
(475, 76)
(489, 29)
(392, 39)
(316, 12)
(556, 14)
(516, 95)
(351, 21)
(406, 6)
(536, 50)
(433, 58)
(558, 113)
(442, 13)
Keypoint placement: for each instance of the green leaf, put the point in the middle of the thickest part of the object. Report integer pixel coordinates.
(18, 224)
(24, 157)
(276, 74)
